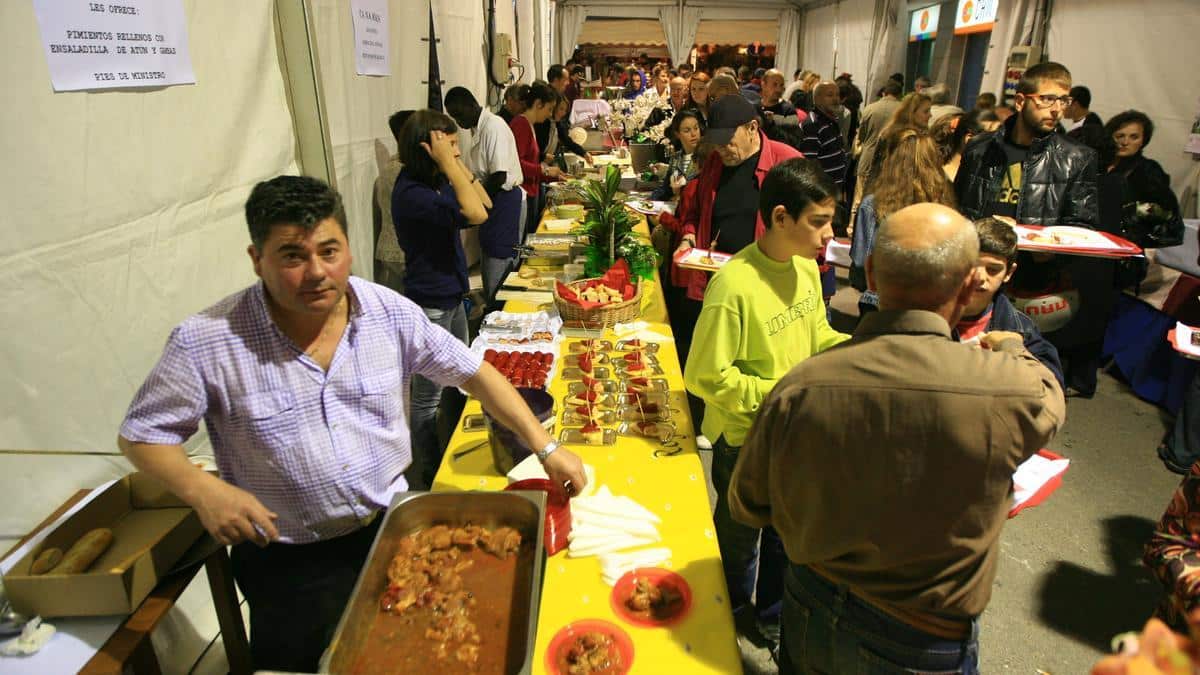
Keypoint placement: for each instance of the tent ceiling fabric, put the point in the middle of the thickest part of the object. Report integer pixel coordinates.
(622, 31)
(737, 32)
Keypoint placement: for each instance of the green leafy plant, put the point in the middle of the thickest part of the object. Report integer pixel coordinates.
(609, 228)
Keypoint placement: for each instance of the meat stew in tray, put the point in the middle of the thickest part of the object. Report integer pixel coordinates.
(452, 583)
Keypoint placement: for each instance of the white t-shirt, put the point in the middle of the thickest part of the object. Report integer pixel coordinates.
(493, 149)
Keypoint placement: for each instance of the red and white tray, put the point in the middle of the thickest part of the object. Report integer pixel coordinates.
(1036, 479)
(1182, 333)
(1070, 240)
(702, 259)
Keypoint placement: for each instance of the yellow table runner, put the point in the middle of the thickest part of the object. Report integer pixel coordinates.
(673, 487)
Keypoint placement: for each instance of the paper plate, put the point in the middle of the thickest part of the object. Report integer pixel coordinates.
(659, 577)
(563, 638)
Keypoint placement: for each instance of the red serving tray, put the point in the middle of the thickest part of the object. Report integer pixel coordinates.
(1127, 249)
(1043, 492)
(1175, 346)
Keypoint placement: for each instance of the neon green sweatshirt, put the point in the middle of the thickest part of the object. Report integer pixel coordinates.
(760, 318)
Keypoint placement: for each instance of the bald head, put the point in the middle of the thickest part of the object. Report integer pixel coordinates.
(679, 92)
(923, 258)
(826, 98)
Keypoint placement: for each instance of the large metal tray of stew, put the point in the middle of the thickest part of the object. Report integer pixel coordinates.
(498, 587)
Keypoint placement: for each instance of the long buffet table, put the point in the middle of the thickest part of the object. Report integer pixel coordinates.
(669, 481)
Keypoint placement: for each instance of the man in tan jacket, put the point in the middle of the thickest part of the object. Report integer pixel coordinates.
(886, 464)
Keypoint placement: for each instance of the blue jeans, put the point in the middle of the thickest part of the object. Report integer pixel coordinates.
(426, 396)
(826, 629)
(1181, 446)
(753, 560)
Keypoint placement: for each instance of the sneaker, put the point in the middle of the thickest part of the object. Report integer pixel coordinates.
(1164, 454)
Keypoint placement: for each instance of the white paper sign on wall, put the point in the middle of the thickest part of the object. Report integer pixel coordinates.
(112, 45)
(371, 37)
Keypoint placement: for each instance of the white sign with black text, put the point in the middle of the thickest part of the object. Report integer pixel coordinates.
(111, 45)
(370, 37)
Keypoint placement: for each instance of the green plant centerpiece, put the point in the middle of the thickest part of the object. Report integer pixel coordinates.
(609, 229)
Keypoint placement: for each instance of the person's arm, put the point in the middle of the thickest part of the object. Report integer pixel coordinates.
(1173, 551)
(503, 402)
(477, 186)
(1081, 204)
(446, 156)
(1040, 347)
(166, 412)
(1035, 419)
(230, 514)
(710, 372)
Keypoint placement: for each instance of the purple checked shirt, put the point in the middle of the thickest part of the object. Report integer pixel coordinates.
(324, 450)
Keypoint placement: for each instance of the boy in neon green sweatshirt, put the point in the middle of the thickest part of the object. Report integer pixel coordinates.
(763, 313)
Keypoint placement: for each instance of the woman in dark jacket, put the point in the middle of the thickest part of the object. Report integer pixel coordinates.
(1149, 210)
(685, 132)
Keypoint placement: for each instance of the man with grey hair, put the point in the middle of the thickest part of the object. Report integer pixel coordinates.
(939, 94)
(906, 441)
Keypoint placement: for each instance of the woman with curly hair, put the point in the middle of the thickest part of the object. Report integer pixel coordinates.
(913, 112)
(911, 173)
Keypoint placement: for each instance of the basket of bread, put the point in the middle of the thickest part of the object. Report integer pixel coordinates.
(600, 302)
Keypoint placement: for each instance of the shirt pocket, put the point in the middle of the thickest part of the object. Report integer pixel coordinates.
(266, 421)
(381, 400)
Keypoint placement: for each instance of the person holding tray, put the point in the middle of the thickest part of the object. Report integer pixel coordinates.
(1028, 174)
(301, 381)
(763, 313)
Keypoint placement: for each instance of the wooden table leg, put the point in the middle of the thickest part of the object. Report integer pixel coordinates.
(229, 613)
(144, 661)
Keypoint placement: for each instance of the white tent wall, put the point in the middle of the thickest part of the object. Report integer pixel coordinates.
(358, 106)
(842, 26)
(1143, 63)
(124, 212)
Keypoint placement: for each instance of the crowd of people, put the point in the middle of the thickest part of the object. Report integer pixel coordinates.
(862, 479)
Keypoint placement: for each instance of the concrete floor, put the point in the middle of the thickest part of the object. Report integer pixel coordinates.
(1070, 576)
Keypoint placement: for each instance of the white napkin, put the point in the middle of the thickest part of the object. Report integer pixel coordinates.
(33, 637)
(1183, 339)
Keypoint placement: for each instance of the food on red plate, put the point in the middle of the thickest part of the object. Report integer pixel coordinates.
(658, 602)
(521, 369)
(593, 653)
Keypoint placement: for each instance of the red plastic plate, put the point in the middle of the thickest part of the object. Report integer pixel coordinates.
(563, 638)
(658, 577)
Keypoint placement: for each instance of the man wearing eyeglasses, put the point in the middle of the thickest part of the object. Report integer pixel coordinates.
(1027, 173)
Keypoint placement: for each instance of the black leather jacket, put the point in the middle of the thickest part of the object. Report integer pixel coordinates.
(1058, 180)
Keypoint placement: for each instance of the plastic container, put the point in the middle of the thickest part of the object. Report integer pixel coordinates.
(558, 512)
(508, 450)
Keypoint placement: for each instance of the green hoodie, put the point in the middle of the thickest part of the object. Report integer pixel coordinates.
(760, 318)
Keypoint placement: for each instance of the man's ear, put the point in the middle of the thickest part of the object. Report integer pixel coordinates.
(255, 259)
(1019, 101)
(779, 216)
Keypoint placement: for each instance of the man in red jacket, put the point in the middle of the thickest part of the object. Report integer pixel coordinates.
(723, 212)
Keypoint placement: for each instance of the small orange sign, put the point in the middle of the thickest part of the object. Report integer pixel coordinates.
(924, 19)
(968, 10)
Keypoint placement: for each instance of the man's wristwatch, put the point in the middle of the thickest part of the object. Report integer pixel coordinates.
(546, 451)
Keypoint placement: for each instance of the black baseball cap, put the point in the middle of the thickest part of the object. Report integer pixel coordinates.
(725, 116)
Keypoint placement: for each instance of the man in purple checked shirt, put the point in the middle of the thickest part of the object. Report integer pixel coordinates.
(299, 380)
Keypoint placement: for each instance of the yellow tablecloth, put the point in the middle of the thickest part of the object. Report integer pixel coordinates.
(673, 487)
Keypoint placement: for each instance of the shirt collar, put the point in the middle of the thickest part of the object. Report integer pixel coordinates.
(263, 312)
(902, 321)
